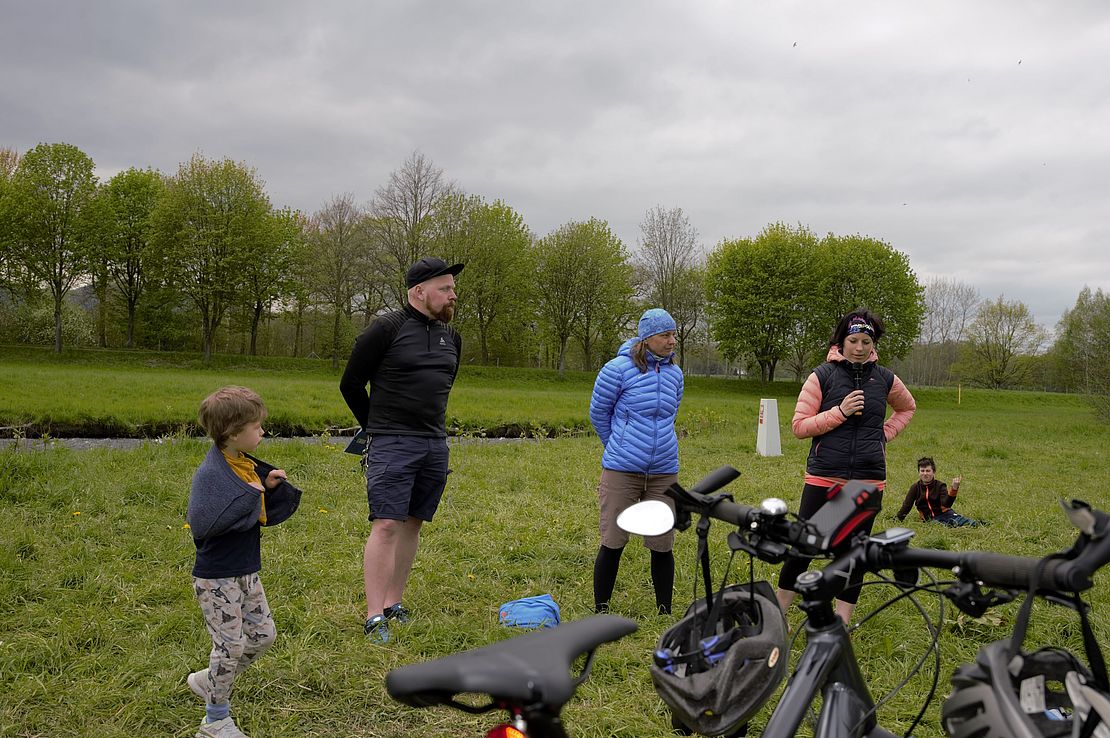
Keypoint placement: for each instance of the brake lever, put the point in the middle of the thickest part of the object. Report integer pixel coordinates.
(970, 598)
(684, 503)
(758, 546)
(682, 518)
(1072, 602)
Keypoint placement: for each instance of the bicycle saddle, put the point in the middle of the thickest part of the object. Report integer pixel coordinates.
(534, 667)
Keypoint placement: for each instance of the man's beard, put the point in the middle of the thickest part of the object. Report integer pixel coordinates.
(446, 313)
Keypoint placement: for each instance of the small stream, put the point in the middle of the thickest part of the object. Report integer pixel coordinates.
(86, 444)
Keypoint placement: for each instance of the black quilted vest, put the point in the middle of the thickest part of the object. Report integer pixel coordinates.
(856, 449)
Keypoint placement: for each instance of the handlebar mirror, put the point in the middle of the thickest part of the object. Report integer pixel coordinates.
(647, 518)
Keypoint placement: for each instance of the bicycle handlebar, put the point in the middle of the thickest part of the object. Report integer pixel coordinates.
(1072, 573)
(1069, 574)
(993, 569)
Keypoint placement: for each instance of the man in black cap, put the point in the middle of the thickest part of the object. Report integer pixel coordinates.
(409, 358)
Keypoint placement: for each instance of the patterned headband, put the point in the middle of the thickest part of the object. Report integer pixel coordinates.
(859, 325)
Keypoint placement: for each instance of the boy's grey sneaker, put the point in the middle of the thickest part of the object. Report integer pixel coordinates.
(198, 682)
(377, 628)
(225, 728)
(398, 612)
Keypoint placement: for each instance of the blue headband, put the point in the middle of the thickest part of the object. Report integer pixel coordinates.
(859, 325)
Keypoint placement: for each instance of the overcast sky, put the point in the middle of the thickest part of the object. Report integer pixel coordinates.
(972, 136)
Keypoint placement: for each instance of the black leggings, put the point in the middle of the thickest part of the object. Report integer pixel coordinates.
(605, 577)
(813, 497)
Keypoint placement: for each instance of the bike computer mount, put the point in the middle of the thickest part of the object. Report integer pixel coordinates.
(892, 537)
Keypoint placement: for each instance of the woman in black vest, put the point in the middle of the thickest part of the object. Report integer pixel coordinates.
(842, 407)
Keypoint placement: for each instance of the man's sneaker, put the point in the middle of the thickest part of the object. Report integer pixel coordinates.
(225, 728)
(398, 612)
(198, 682)
(377, 628)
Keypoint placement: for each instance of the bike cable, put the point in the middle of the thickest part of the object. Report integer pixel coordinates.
(933, 647)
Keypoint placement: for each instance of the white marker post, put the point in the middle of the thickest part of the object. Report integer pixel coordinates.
(767, 436)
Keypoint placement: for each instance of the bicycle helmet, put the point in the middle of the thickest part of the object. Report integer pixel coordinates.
(1030, 695)
(714, 682)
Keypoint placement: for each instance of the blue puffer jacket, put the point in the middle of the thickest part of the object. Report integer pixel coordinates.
(634, 413)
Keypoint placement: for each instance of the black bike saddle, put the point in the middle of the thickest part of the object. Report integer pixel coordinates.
(534, 667)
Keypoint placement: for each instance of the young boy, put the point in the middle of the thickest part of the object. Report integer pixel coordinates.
(933, 498)
(232, 495)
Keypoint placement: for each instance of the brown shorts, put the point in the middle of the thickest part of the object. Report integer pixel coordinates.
(619, 490)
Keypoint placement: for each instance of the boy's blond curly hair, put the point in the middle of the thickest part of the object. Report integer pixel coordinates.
(227, 410)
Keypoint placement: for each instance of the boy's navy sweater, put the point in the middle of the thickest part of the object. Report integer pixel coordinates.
(223, 517)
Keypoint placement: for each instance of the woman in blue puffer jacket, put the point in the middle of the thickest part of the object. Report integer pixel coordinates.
(633, 409)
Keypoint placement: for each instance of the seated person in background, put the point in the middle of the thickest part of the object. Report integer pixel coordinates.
(933, 498)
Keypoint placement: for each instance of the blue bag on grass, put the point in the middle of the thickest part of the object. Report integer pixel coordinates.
(540, 611)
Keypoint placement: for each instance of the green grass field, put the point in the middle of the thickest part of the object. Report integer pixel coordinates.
(98, 626)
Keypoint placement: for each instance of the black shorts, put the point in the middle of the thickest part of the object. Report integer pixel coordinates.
(405, 476)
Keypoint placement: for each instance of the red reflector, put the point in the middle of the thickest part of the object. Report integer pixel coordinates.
(505, 731)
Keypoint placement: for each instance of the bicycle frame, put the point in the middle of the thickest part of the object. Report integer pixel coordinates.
(827, 666)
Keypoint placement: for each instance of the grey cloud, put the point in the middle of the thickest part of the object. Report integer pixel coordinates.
(913, 123)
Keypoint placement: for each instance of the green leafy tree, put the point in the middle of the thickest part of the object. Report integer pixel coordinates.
(9, 162)
(689, 307)
(860, 271)
(672, 270)
(582, 273)
(98, 220)
(762, 295)
(338, 239)
(559, 268)
(267, 272)
(129, 199)
(1081, 353)
(1001, 342)
(776, 297)
(299, 283)
(206, 227)
(48, 211)
(494, 243)
(606, 306)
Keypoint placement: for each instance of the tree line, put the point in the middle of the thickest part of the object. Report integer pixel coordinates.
(203, 260)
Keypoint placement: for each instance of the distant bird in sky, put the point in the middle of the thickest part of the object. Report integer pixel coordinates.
(795, 43)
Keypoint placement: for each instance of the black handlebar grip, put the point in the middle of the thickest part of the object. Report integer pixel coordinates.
(1016, 572)
(732, 512)
(713, 481)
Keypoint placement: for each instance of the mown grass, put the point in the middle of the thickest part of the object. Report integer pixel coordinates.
(90, 393)
(98, 626)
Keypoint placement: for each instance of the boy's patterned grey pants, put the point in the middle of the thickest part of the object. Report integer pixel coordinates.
(239, 620)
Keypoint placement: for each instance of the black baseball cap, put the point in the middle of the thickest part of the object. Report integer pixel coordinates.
(430, 267)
